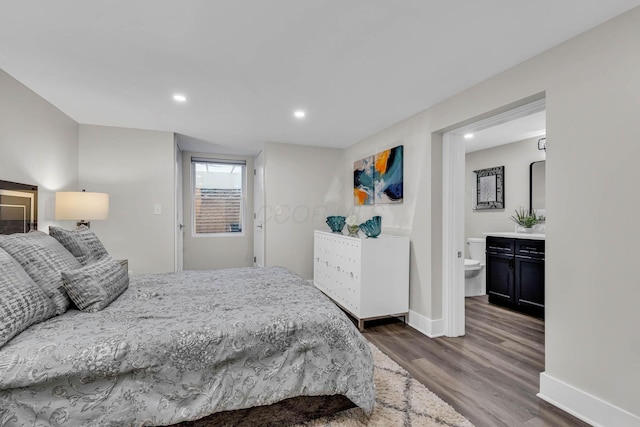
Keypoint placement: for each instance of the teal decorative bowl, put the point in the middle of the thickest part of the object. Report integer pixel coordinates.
(336, 223)
(372, 227)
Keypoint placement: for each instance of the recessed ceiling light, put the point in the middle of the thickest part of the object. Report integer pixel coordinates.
(299, 114)
(179, 98)
(468, 135)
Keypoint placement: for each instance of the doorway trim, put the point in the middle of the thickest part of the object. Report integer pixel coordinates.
(259, 230)
(179, 224)
(453, 210)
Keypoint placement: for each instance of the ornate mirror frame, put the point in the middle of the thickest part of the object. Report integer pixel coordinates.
(490, 188)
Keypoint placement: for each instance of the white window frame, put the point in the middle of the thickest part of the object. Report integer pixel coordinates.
(243, 210)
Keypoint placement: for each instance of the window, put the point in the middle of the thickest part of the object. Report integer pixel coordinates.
(218, 196)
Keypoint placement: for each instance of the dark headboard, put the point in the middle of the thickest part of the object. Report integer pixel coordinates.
(18, 207)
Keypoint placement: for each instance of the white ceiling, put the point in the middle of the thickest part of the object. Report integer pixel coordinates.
(533, 125)
(355, 66)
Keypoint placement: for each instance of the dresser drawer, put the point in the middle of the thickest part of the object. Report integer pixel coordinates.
(530, 248)
(500, 245)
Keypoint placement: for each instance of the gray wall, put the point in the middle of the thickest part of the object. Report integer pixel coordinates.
(216, 251)
(592, 92)
(41, 145)
(136, 167)
(38, 145)
(516, 158)
(301, 190)
(412, 217)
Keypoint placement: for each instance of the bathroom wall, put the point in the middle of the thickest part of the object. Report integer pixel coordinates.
(516, 158)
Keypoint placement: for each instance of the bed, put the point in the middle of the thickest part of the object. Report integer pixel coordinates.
(179, 346)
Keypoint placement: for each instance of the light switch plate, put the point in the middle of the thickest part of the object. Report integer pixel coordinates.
(157, 209)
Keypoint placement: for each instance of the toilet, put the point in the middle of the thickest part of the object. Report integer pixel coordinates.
(474, 275)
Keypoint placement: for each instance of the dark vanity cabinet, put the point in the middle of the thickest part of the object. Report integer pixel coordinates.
(515, 274)
(500, 270)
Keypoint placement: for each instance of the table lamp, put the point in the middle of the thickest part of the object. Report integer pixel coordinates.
(82, 206)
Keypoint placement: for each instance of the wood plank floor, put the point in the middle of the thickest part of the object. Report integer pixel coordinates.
(491, 375)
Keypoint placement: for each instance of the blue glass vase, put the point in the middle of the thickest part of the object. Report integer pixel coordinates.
(372, 227)
(336, 223)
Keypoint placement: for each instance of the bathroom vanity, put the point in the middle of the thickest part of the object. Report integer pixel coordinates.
(515, 271)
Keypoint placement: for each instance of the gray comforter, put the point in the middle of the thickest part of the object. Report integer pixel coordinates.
(180, 346)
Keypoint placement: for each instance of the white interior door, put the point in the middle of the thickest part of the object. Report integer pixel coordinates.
(258, 208)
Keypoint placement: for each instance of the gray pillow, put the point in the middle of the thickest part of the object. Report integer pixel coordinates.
(94, 286)
(22, 302)
(43, 258)
(82, 243)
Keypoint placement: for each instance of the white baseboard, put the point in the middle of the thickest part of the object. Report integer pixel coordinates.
(584, 406)
(426, 326)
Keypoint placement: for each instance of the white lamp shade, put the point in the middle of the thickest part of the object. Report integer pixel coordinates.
(81, 205)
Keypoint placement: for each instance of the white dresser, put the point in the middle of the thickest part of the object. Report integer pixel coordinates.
(369, 278)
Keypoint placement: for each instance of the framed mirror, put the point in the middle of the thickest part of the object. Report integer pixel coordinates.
(537, 182)
(490, 188)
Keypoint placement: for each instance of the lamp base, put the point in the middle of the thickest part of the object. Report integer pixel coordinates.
(85, 223)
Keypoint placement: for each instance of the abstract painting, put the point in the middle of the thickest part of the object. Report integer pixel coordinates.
(363, 181)
(388, 176)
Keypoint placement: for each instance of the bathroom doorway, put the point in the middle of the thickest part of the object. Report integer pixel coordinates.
(514, 125)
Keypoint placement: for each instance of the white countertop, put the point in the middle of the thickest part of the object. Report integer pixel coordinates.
(532, 236)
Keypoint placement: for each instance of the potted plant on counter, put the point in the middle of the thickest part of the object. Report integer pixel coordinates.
(525, 220)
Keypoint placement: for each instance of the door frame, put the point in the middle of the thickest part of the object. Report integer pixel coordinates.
(259, 231)
(179, 213)
(453, 211)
